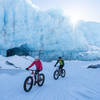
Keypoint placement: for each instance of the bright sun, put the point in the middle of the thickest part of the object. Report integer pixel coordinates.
(74, 19)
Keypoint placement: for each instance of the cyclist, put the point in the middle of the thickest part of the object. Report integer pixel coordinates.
(38, 65)
(61, 63)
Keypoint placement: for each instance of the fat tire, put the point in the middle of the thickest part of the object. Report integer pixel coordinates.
(43, 79)
(63, 73)
(25, 83)
(54, 75)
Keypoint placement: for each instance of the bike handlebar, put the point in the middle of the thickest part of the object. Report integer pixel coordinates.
(31, 70)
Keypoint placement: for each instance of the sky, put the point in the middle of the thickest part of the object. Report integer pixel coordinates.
(87, 10)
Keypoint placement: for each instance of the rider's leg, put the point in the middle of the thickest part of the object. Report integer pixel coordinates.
(37, 73)
(60, 68)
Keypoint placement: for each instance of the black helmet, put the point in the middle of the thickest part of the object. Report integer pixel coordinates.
(60, 57)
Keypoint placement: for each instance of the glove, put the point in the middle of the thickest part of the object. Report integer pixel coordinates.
(27, 69)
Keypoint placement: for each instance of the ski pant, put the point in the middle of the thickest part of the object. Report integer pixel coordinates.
(61, 67)
(37, 71)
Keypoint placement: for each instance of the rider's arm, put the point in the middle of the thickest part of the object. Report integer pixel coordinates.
(31, 65)
(57, 62)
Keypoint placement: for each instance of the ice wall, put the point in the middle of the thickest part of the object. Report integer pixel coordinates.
(49, 31)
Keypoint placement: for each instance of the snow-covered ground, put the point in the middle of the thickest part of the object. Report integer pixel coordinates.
(80, 83)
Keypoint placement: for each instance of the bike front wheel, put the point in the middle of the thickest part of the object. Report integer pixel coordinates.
(63, 73)
(28, 83)
(56, 75)
(41, 79)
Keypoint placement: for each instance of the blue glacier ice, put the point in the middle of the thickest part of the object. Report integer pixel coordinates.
(46, 33)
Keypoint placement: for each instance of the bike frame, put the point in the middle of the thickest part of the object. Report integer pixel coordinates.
(58, 70)
(35, 76)
(32, 72)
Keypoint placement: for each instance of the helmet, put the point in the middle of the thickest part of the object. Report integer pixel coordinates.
(36, 57)
(60, 57)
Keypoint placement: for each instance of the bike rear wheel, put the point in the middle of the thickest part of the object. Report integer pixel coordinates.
(56, 75)
(41, 79)
(63, 73)
(28, 83)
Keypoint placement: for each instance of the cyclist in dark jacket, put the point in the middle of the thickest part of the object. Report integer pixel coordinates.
(61, 62)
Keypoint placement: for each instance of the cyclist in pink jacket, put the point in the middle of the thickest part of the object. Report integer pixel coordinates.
(37, 63)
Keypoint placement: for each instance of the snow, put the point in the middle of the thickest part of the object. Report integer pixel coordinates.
(80, 83)
(3, 63)
(20, 61)
(16, 60)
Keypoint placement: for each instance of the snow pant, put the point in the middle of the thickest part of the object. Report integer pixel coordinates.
(61, 67)
(37, 73)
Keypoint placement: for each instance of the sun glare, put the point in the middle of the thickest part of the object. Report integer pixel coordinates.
(74, 17)
(74, 20)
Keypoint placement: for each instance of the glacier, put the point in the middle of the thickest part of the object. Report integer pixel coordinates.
(48, 34)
